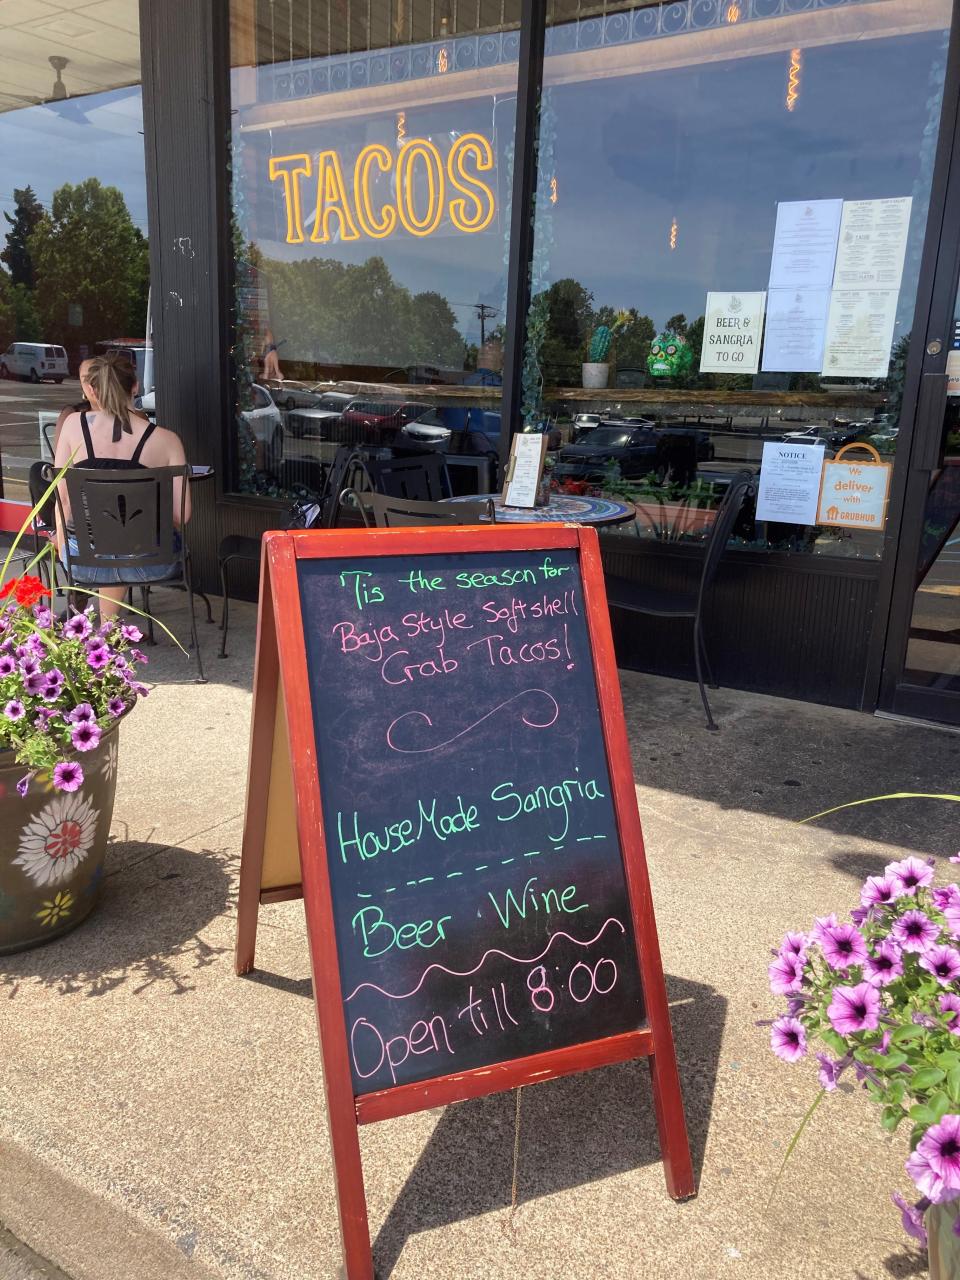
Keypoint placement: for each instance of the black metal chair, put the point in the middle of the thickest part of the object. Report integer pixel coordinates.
(44, 523)
(636, 597)
(236, 546)
(123, 519)
(422, 478)
(348, 470)
(391, 513)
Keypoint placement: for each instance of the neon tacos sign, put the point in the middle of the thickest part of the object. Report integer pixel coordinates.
(425, 190)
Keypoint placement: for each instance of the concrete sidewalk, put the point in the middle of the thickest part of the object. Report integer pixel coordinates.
(162, 1119)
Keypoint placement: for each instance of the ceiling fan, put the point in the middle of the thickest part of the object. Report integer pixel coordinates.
(58, 92)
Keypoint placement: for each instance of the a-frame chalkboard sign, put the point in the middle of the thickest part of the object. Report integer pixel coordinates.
(439, 764)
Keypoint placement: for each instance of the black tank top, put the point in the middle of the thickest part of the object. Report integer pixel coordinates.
(111, 464)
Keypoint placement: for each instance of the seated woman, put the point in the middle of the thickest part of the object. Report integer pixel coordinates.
(113, 437)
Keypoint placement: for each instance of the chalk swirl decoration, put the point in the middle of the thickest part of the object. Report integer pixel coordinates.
(546, 718)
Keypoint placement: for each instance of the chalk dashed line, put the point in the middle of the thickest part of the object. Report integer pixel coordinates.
(484, 866)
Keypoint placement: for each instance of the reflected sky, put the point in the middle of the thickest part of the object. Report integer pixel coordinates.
(715, 147)
(710, 144)
(99, 135)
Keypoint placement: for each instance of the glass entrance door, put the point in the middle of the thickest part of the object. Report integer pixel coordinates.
(933, 641)
(922, 663)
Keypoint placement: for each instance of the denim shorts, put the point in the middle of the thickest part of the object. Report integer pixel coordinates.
(104, 576)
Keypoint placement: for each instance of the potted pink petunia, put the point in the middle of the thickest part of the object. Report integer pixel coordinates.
(880, 992)
(66, 683)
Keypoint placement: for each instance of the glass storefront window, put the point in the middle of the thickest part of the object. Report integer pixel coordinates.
(730, 214)
(371, 180)
(74, 271)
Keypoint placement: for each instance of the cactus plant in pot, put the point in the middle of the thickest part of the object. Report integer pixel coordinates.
(596, 369)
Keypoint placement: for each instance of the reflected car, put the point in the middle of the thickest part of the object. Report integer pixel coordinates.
(426, 433)
(288, 393)
(633, 449)
(582, 423)
(263, 418)
(377, 417)
(835, 436)
(266, 422)
(326, 412)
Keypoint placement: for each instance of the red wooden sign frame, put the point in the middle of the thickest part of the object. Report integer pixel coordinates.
(281, 672)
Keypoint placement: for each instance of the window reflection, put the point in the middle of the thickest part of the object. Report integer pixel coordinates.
(372, 169)
(672, 138)
(74, 270)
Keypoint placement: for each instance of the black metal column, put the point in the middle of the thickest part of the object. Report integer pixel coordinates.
(533, 18)
(186, 112)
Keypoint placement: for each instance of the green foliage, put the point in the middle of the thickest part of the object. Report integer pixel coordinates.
(8, 326)
(359, 315)
(26, 322)
(16, 255)
(87, 253)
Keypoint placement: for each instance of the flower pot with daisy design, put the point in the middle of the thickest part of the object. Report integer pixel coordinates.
(65, 685)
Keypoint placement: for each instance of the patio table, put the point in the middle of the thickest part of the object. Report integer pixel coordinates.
(560, 507)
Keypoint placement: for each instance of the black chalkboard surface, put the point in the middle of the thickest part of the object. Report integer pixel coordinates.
(480, 906)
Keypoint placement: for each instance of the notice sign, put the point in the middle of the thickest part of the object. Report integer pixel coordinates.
(789, 482)
(731, 333)
(854, 494)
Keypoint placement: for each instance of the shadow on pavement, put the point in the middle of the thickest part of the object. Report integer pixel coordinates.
(144, 933)
(575, 1130)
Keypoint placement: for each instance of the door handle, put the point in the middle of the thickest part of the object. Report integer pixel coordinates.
(931, 405)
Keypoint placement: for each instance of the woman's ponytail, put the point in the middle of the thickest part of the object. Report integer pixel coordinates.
(113, 378)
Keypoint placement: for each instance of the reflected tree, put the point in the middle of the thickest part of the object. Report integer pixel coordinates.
(90, 266)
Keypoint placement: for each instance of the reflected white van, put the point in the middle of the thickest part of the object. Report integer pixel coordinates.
(34, 362)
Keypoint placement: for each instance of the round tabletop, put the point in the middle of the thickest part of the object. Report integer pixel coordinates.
(561, 507)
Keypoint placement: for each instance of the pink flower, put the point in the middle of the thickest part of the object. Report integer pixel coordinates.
(915, 931)
(943, 963)
(794, 944)
(884, 965)
(952, 916)
(928, 1181)
(911, 874)
(788, 1039)
(819, 925)
(940, 1147)
(879, 890)
(948, 896)
(854, 1009)
(786, 975)
(67, 776)
(843, 946)
(950, 1003)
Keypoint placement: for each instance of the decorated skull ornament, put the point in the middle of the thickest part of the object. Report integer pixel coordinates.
(670, 355)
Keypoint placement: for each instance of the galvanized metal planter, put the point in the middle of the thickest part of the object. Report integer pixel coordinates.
(52, 845)
(943, 1243)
